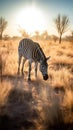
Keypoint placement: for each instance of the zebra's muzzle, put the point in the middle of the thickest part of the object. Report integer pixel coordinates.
(45, 77)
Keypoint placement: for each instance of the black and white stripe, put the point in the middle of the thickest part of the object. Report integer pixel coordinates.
(32, 52)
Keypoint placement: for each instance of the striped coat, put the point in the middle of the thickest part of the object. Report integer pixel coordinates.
(32, 52)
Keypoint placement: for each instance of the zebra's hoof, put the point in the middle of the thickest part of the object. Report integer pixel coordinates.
(22, 74)
(18, 73)
(29, 79)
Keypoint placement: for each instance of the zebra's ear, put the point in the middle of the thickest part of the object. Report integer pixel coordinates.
(48, 58)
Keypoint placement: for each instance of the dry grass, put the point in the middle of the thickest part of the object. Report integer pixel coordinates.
(37, 104)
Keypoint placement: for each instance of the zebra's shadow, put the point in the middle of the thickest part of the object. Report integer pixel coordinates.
(18, 80)
(35, 85)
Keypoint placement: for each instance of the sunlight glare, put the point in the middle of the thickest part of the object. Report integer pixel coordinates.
(31, 19)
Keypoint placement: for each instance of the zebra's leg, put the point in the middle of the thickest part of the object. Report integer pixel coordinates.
(36, 65)
(19, 62)
(29, 72)
(23, 66)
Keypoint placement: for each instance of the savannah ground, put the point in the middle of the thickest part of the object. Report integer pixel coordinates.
(37, 105)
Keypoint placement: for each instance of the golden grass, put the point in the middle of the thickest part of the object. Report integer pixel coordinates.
(47, 101)
(5, 88)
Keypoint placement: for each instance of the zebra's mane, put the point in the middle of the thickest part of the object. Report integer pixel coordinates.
(41, 53)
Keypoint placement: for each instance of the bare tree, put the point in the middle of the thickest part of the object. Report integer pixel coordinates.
(37, 35)
(62, 25)
(23, 32)
(3, 25)
(54, 37)
(45, 35)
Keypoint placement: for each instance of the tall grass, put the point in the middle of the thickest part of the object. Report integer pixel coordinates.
(37, 104)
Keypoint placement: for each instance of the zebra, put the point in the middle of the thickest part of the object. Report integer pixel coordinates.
(32, 52)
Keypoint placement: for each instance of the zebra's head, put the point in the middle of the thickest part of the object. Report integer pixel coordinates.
(44, 68)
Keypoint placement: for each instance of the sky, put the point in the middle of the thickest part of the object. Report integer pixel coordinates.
(34, 15)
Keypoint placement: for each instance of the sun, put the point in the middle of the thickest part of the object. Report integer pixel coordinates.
(31, 19)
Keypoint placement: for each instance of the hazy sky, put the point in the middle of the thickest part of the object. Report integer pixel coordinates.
(17, 12)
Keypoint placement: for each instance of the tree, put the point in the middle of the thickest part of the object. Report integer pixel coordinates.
(6, 37)
(3, 25)
(37, 35)
(62, 25)
(54, 37)
(23, 32)
(45, 35)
